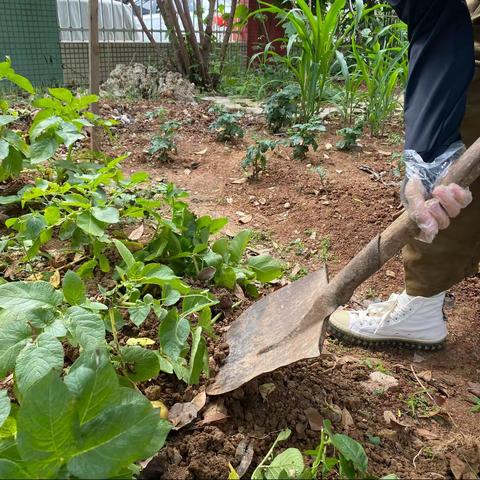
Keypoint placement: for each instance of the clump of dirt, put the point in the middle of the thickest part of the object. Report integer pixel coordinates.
(141, 81)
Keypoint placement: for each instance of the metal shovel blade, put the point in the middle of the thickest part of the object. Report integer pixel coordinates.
(275, 331)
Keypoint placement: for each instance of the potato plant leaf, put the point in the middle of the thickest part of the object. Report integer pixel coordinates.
(21, 296)
(265, 267)
(74, 289)
(173, 334)
(141, 364)
(4, 406)
(36, 360)
(46, 426)
(87, 328)
(15, 334)
(352, 451)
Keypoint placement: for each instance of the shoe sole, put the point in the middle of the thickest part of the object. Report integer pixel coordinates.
(384, 342)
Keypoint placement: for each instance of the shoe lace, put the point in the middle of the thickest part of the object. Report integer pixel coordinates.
(377, 313)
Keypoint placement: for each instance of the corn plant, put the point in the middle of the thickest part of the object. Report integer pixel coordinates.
(311, 42)
(381, 69)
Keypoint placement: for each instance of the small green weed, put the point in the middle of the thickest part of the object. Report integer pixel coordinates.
(163, 144)
(324, 250)
(159, 113)
(418, 404)
(322, 175)
(335, 454)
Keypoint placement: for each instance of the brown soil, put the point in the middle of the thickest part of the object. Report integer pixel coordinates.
(293, 215)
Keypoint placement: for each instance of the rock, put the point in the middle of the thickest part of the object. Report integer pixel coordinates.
(143, 81)
(380, 382)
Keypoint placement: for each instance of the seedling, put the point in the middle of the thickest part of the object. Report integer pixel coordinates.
(226, 127)
(322, 175)
(163, 144)
(335, 454)
(418, 404)
(255, 157)
(324, 250)
(303, 136)
(159, 113)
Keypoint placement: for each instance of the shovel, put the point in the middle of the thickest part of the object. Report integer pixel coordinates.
(289, 325)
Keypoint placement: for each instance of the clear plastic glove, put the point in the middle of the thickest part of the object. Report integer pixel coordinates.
(430, 206)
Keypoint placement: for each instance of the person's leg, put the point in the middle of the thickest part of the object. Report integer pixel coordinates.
(411, 318)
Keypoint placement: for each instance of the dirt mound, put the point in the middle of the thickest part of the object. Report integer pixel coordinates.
(141, 81)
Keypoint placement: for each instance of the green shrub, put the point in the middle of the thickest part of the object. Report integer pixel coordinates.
(226, 127)
(163, 143)
(303, 136)
(281, 108)
(255, 158)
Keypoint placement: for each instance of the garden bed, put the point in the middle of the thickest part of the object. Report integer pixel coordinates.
(303, 221)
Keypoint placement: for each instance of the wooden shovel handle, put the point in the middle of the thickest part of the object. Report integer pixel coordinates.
(384, 246)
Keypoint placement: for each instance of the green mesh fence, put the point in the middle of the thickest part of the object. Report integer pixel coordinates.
(29, 36)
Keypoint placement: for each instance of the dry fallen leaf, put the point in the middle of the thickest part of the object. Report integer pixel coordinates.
(34, 277)
(315, 420)
(328, 146)
(202, 152)
(347, 359)
(244, 454)
(390, 273)
(266, 389)
(458, 467)
(215, 412)
(474, 388)
(425, 375)
(385, 153)
(54, 280)
(137, 233)
(239, 181)
(347, 419)
(425, 434)
(181, 414)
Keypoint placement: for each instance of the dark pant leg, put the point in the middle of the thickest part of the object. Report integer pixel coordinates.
(441, 65)
(455, 252)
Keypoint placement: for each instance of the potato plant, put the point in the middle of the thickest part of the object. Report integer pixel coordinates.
(74, 408)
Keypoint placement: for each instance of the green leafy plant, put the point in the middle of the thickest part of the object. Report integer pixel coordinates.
(163, 143)
(255, 158)
(281, 108)
(157, 113)
(382, 67)
(61, 119)
(226, 127)
(336, 453)
(350, 136)
(303, 136)
(312, 38)
(322, 175)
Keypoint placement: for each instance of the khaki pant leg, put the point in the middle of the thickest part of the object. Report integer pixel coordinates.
(455, 252)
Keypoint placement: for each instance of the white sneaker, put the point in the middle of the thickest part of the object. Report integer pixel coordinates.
(403, 319)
